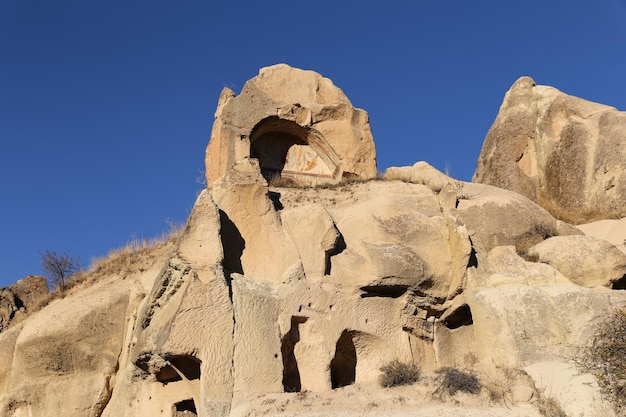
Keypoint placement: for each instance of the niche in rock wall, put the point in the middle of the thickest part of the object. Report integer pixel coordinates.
(185, 408)
(187, 365)
(462, 316)
(291, 373)
(343, 364)
(292, 152)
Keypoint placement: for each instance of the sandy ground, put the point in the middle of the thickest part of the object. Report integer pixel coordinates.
(371, 400)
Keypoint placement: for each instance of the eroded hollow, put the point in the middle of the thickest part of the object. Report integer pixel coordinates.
(187, 365)
(185, 408)
(462, 316)
(619, 284)
(385, 291)
(343, 365)
(291, 373)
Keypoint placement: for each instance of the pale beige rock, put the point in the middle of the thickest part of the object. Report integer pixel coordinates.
(563, 152)
(613, 231)
(420, 173)
(584, 260)
(527, 327)
(496, 217)
(576, 393)
(505, 266)
(297, 123)
(315, 235)
(253, 227)
(72, 346)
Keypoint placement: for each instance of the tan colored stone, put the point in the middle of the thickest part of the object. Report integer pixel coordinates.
(584, 260)
(253, 227)
(505, 266)
(496, 217)
(420, 173)
(563, 152)
(297, 123)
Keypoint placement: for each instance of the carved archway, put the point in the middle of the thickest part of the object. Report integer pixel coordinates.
(287, 150)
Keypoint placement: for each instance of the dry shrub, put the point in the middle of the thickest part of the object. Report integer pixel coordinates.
(605, 358)
(453, 380)
(396, 373)
(548, 407)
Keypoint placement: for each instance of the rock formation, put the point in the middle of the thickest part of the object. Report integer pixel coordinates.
(563, 152)
(20, 297)
(271, 291)
(297, 124)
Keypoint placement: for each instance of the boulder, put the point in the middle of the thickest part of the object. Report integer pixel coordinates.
(298, 124)
(584, 260)
(505, 266)
(563, 152)
(496, 217)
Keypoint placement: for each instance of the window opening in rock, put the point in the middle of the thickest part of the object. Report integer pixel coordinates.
(291, 373)
(290, 154)
(385, 291)
(187, 365)
(343, 365)
(185, 408)
(462, 316)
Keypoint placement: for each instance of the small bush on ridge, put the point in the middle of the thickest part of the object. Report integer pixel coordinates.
(396, 373)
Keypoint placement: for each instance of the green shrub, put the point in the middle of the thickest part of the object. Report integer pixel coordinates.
(397, 373)
(453, 380)
(605, 358)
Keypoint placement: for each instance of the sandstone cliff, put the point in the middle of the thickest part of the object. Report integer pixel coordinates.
(288, 300)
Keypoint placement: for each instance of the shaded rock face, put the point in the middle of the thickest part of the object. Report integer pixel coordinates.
(297, 124)
(563, 152)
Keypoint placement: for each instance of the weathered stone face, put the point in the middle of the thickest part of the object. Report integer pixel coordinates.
(565, 153)
(297, 124)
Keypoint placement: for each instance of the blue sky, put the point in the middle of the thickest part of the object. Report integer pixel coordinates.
(106, 107)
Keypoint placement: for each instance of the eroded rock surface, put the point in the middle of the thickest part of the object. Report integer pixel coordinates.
(278, 300)
(563, 152)
(298, 124)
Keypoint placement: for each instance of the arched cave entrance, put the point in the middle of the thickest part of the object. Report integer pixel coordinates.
(291, 373)
(294, 153)
(343, 365)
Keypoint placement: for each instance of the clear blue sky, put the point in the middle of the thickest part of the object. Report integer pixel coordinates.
(106, 107)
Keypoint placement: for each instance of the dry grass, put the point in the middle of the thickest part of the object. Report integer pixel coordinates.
(453, 380)
(605, 358)
(286, 182)
(138, 255)
(548, 407)
(397, 373)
